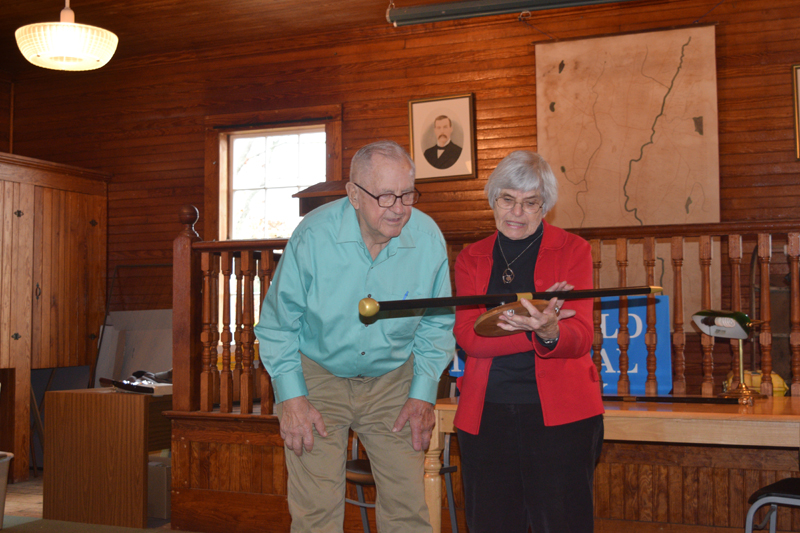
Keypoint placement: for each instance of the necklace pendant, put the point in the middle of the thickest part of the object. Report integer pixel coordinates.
(508, 276)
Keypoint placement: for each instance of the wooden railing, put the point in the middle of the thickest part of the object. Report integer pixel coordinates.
(210, 322)
(760, 239)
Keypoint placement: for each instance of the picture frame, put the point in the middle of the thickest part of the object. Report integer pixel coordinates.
(450, 154)
(796, 83)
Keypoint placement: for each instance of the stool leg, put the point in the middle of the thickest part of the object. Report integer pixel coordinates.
(751, 517)
(773, 518)
(364, 515)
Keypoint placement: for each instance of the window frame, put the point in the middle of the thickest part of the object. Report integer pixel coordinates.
(218, 130)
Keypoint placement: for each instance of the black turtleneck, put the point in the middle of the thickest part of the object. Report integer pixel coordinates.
(512, 378)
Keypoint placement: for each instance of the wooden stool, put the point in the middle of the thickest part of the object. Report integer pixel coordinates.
(783, 492)
(358, 471)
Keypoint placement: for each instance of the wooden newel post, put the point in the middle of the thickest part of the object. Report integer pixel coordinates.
(186, 315)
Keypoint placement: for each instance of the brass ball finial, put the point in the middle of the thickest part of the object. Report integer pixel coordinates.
(368, 307)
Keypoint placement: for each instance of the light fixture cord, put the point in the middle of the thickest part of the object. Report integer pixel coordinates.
(525, 16)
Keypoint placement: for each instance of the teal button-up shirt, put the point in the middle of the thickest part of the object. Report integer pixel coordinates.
(312, 304)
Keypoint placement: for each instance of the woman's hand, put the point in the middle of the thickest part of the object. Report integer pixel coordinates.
(543, 323)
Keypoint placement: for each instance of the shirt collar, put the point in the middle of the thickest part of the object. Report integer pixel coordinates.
(350, 231)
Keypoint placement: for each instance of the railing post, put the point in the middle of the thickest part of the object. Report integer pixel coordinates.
(266, 269)
(597, 313)
(226, 380)
(650, 336)
(237, 333)
(765, 337)
(186, 315)
(207, 337)
(246, 385)
(735, 259)
(678, 335)
(623, 336)
(706, 341)
(793, 251)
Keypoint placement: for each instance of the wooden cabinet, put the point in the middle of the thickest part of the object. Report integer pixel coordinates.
(97, 443)
(52, 282)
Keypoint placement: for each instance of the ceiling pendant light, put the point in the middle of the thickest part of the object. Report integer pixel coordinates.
(65, 45)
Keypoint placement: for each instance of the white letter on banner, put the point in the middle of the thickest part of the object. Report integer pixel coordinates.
(603, 328)
(607, 363)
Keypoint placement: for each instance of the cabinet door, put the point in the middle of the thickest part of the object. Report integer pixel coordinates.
(16, 249)
(69, 267)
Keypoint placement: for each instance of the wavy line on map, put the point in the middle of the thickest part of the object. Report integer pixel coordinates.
(584, 181)
(635, 210)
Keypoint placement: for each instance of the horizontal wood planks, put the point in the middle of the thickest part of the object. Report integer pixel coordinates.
(142, 118)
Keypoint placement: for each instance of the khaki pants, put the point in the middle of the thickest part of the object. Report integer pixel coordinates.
(317, 479)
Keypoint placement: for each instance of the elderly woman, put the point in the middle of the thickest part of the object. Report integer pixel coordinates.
(529, 417)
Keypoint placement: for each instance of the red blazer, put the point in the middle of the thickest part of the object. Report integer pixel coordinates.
(566, 377)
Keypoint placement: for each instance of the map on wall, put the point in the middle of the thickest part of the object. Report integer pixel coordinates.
(629, 125)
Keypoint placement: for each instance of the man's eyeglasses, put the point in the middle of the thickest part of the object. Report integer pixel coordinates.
(389, 199)
(507, 203)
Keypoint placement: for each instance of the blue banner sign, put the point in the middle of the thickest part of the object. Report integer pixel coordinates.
(637, 351)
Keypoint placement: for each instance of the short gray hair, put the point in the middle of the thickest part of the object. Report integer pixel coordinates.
(361, 163)
(523, 170)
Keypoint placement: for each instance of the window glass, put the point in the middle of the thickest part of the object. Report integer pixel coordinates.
(267, 168)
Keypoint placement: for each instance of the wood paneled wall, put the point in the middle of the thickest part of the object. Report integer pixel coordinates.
(6, 107)
(142, 120)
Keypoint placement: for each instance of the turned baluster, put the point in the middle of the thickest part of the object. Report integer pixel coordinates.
(793, 251)
(266, 269)
(623, 336)
(207, 336)
(215, 319)
(225, 381)
(597, 313)
(706, 341)
(678, 335)
(765, 336)
(735, 259)
(246, 380)
(237, 333)
(650, 336)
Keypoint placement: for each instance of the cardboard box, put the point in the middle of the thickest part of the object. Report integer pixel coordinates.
(159, 486)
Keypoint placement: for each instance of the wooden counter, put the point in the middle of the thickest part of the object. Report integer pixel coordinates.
(773, 423)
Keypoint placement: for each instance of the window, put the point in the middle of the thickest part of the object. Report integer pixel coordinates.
(217, 214)
(266, 168)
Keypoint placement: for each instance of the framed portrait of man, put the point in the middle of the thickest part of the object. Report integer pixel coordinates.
(442, 137)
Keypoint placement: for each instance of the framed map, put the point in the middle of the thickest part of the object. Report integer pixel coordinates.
(629, 125)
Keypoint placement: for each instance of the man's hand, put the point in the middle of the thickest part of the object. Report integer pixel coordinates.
(298, 417)
(420, 415)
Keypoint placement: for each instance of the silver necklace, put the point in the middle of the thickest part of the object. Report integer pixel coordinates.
(508, 274)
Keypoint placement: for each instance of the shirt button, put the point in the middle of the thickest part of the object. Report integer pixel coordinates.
(363, 353)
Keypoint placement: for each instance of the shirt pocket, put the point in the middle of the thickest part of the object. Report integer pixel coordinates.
(401, 324)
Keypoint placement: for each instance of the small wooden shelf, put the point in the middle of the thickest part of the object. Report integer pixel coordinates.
(320, 194)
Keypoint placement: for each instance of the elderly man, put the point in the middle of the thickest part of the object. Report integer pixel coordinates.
(333, 370)
(444, 153)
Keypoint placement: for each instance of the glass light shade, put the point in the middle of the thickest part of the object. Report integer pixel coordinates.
(66, 45)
